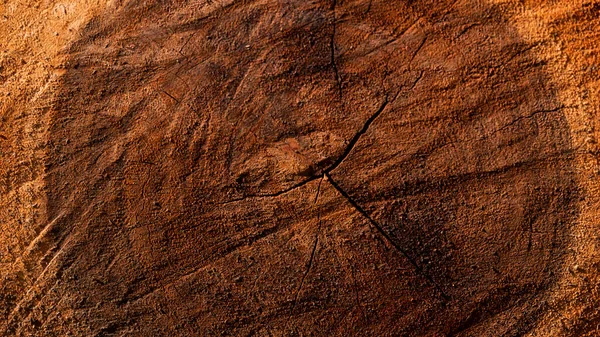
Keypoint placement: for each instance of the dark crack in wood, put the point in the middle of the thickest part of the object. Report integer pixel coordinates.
(334, 65)
(347, 150)
(312, 253)
(389, 239)
(357, 136)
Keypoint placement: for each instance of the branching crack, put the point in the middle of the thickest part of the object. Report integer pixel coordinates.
(347, 150)
(388, 238)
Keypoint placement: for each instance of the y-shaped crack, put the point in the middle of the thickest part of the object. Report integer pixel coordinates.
(347, 150)
(326, 173)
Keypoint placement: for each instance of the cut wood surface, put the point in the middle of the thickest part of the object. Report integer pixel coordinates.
(299, 168)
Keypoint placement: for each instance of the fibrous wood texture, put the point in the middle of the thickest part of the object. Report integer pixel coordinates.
(299, 168)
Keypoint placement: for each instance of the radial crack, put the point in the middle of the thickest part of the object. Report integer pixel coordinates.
(357, 136)
(312, 253)
(338, 78)
(388, 238)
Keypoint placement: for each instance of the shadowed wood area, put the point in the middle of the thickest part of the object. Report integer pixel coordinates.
(299, 168)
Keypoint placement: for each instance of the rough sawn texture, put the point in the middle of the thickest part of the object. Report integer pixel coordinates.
(299, 168)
